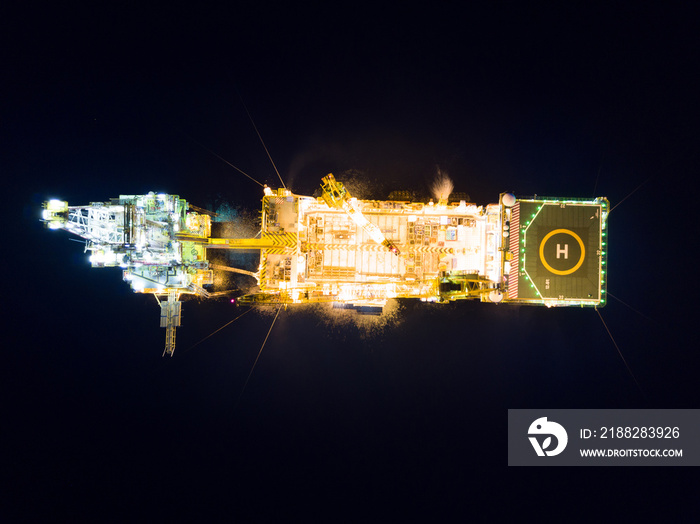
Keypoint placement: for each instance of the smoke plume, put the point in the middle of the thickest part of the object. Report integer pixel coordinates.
(442, 186)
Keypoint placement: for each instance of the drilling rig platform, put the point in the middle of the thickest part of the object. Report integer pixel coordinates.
(355, 253)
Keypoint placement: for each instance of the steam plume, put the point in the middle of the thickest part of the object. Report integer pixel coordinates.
(442, 186)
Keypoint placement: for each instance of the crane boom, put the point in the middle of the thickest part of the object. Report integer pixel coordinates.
(336, 196)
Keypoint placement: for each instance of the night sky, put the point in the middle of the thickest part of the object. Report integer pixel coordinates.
(337, 422)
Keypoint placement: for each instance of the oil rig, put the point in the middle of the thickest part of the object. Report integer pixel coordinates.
(356, 254)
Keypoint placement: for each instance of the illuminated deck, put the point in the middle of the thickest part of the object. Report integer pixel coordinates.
(332, 249)
(526, 251)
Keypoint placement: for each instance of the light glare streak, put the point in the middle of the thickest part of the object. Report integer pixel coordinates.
(620, 353)
(215, 332)
(258, 357)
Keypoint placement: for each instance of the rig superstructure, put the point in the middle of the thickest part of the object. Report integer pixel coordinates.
(355, 253)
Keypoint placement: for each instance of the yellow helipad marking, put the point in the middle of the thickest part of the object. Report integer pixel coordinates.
(557, 271)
